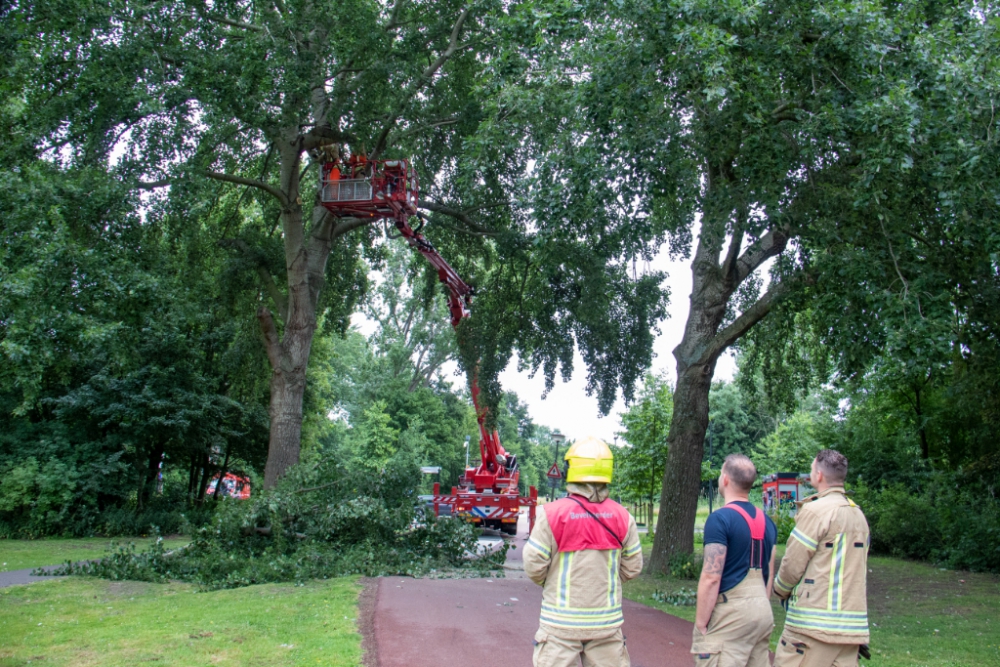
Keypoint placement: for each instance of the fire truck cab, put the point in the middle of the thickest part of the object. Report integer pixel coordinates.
(783, 489)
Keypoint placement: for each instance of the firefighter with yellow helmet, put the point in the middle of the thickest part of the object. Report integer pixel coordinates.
(580, 551)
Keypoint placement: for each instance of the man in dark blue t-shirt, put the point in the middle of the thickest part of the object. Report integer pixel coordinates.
(733, 622)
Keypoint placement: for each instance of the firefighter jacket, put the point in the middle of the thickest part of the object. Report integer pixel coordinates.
(824, 571)
(579, 562)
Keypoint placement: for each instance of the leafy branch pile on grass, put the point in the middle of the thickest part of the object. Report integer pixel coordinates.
(321, 521)
(682, 597)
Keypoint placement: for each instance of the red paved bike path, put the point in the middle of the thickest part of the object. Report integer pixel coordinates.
(491, 623)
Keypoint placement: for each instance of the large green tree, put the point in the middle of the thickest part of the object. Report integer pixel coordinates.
(755, 134)
(639, 461)
(182, 98)
(239, 93)
(115, 369)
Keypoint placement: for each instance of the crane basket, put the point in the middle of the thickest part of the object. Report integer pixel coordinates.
(370, 189)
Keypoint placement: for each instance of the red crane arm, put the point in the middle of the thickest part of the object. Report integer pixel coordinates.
(389, 189)
(459, 302)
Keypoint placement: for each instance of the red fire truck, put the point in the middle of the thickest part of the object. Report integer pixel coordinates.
(233, 486)
(783, 489)
(389, 189)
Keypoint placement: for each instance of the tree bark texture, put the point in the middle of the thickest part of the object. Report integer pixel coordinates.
(682, 474)
(306, 255)
(705, 338)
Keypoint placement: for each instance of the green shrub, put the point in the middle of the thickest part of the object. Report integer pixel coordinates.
(945, 518)
(685, 566)
(784, 521)
(682, 597)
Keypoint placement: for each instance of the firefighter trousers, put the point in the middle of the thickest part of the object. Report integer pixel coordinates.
(739, 629)
(798, 650)
(552, 651)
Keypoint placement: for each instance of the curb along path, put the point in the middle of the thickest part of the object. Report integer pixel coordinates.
(491, 622)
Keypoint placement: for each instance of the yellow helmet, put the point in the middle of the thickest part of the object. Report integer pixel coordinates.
(590, 460)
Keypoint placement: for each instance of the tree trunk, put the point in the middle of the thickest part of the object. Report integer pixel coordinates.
(305, 259)
(682, 476)
(192, 478)
(287, 391)
(925, 449)
(222, 473)
(149, 478)
(206, 477)
(713, 285)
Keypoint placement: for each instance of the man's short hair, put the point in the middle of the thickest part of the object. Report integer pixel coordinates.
(741, 470)
(833, 464)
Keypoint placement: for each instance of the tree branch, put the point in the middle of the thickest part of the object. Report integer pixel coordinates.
(458, 215)
(394, 16)
(770, 245)
(744, 322)
(348, 224)
(239, 180)
(271, 340)
(215, 18)
(735, 245)
(153, 185)
(322, 135)
(230, 22)
(417, 85)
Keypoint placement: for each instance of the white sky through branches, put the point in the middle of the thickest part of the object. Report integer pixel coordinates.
(567, 407)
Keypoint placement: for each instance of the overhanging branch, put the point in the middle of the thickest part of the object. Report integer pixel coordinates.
(417, 86)
(462, 216)
(346, 225)
(769, 245)
(239, 180)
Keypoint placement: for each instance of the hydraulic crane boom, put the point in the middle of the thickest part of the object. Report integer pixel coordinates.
(487, 494)
(492, 453)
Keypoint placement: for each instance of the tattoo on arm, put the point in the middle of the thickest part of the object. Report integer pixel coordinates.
(715, 558)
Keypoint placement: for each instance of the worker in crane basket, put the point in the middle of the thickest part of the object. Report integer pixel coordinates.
(581, 549)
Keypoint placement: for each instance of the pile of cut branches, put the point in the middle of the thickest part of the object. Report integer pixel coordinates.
(321, 521)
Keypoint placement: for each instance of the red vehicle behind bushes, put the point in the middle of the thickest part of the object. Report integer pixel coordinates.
(233, 486)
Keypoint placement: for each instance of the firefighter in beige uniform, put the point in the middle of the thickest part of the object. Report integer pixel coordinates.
(824, 575)
(581, 550)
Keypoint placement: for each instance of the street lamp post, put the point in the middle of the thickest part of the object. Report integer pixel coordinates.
(710, 490)
(557, 439)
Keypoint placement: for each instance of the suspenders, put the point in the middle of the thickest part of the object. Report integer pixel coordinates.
(757, 526)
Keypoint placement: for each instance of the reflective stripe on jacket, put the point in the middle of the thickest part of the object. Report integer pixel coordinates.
(824, 571)
(582, 595)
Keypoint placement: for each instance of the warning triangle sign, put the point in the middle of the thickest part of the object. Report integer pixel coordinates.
(554, 472)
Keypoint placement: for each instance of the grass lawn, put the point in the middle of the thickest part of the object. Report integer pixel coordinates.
(82, 621)
(22, 554)
(920, 616)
